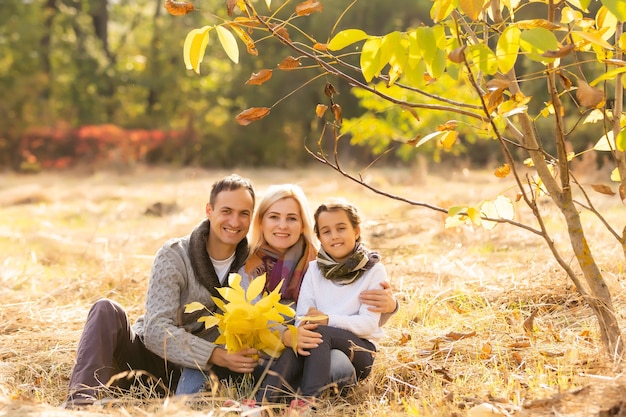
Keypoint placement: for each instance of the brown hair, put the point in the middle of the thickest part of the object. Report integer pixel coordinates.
(230, 183)
(336, 205)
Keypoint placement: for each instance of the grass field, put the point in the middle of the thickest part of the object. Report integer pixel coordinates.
(462, 337)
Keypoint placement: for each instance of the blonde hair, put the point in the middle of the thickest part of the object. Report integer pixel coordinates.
(273, 194)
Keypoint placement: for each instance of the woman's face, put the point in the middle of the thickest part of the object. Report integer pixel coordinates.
(282, 224)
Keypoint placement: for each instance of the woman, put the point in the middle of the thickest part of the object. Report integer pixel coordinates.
(282, 245)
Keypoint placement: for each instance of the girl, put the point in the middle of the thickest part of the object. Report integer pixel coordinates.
(329, 297)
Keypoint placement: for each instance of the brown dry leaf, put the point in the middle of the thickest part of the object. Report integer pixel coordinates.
(246, 21)
(178, 8)
(616, 62)
(551, 354)
(458, 336)
(230, 6)
(520, 345)
(498, 84)
(603, 189)
(449, 125)
(565, 81)
(517, 358)
(559, 53)
(258, 78)
(320, 109)
(280, 31)
(456, 308)
(330, 90)
(309, 6)
(415, 140)
(320, 46)
(245, 38)
(404, 339)
(336, 109)
(502, 171)
(622, 193)
(457, 55)
(412, 111)
(493, 99)
(588, 96)
(529, 323)
(518, 196)
(289, 63)
(485, 351)
(252, 115)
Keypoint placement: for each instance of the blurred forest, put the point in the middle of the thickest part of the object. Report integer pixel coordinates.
(103, 81)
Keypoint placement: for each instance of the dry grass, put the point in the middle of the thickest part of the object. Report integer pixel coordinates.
(459, 339)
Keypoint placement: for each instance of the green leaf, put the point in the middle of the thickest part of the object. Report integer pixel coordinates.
(617, 7)
(537, 41)
(484, 58)
(371, 64)
(195, 46)
(608, 75)
(508, 48)
(620, 142)
(346, 38)
(229, 43)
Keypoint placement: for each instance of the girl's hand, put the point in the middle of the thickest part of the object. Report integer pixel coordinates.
(379, 301)
(316, 316)
(307, 339)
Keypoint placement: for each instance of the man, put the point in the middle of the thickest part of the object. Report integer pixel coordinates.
(165, 339)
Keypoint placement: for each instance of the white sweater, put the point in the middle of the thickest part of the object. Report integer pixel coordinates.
(341, 302)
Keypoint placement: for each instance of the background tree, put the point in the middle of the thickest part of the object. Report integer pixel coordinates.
(498, 51)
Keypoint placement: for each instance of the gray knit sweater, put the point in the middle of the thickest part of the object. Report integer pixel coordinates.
(182, 273)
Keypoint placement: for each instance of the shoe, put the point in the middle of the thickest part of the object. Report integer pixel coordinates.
(245, 408)
(301, 406)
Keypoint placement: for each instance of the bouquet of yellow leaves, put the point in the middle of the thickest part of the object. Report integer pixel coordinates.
(247, 322)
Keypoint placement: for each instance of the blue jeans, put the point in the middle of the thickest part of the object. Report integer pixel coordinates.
(192, 380)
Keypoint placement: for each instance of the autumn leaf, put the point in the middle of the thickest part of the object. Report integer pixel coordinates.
(529, 323)
(289, 63)
(622, 193)
(502, 171)
(603, 189)
(245, 38)
(280, 31)
(559, 53)
(449, 138)
(250, 319)
(404, 339)
(252, 115)
(178, 8)
(320, 110)
(458, 336)
(330, 90)
(195, 47)
(337, 112)
(307, 7)
(590, 97)
(485, 351)
(320, 46)
(457, 55)
(258, 78)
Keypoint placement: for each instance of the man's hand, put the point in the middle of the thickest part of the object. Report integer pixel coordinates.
(379, 301)
(243, 361)
(307, 339)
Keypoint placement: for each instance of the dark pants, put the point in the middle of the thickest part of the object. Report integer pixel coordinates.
(109, 354)
(314, 370)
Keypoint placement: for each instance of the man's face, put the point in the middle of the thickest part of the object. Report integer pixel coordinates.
(230, 218)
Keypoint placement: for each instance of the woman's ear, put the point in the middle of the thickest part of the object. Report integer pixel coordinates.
(357, 233)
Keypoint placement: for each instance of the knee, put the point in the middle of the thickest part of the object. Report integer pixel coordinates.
(106, 308)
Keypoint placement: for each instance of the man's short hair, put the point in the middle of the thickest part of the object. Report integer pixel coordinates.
(231, 183)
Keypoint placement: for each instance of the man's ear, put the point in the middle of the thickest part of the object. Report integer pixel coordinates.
(208, 210)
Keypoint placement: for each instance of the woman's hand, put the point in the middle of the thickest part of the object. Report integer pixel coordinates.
(243, 361)
(307, 338)
(316, 316)
(379, 301)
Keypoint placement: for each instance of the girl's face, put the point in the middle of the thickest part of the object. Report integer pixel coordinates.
(282, 224)
(337, 235)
